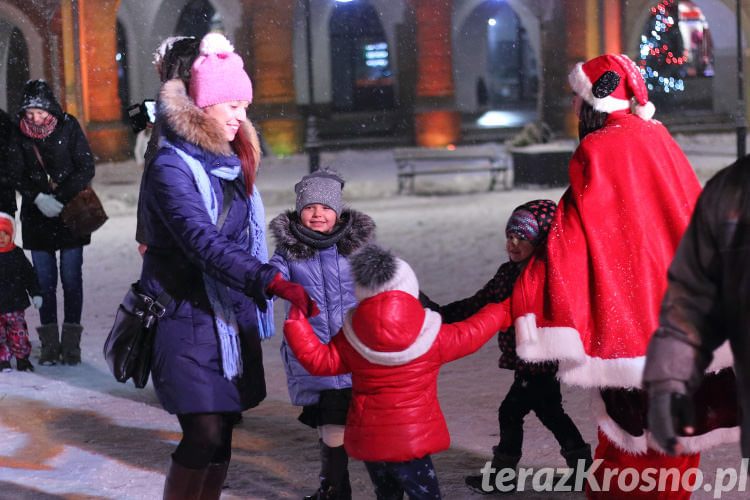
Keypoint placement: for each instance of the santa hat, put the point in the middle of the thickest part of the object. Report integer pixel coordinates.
(612, 83)
(218, 74)
(377, 270)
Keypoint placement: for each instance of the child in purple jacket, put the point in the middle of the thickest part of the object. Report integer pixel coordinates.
(313, 245)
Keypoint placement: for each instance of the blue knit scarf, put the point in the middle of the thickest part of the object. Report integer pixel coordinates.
(218, 293)
(259, 250)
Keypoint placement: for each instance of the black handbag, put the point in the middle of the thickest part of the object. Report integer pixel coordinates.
(129, 344)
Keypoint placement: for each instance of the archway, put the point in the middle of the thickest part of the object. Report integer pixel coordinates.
(198, 18)
(123, 70)
(361, 74)
(15, 57)
(494, 59)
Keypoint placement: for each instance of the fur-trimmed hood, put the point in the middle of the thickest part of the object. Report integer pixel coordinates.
(192, 124)
(360, 232)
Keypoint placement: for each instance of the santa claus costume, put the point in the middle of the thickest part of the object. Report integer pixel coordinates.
(591, 300)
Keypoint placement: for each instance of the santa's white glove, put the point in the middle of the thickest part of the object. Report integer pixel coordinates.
(37, 300)
(48, 204)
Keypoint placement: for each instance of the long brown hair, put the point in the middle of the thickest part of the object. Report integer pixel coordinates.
(247, 147)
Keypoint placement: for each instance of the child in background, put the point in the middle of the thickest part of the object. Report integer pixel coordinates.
(394, 349)
(313, 244)
(18, 278)
(535, 386)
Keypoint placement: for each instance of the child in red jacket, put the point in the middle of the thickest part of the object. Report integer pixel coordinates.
(19, 283)
(394, 349)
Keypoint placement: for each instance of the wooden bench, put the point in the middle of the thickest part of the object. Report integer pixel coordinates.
(414, 161)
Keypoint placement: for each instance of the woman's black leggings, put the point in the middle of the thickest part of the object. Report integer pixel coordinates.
(206, 439)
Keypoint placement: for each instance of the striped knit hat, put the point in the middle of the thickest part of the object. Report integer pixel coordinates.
(531, 221)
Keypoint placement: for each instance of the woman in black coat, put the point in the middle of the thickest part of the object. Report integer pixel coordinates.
(52, 162)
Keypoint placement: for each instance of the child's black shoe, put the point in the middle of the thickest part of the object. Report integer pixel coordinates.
(5, 366)
(24, 365)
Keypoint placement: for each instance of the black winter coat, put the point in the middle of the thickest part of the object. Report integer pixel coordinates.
(497, 289)
(69, 163)
(17, 281)
(708, 295)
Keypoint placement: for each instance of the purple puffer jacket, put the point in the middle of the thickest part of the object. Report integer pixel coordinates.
(325, 275)
(183, 244)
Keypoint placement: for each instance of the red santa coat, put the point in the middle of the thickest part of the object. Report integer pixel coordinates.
(394, 349)
(592, 301)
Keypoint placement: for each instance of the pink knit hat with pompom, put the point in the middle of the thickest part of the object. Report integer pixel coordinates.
(218, 74)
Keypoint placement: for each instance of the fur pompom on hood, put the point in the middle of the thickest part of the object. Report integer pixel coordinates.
(377, 270)
(191, 123)
(361, 231)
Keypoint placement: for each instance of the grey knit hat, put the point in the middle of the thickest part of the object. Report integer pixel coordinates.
(322, 186)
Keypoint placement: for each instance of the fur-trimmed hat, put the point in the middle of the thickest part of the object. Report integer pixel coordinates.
(612, 82)
(375, 270)
(218, 74)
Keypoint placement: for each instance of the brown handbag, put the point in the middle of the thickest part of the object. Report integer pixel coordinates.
(84, 214)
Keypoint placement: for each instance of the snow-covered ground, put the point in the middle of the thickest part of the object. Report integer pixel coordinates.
(76, 433)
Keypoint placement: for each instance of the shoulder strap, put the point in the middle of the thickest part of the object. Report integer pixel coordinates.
(41, 162)
(228, 190)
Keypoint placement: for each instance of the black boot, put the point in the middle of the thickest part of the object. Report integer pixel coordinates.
(71, 343)
(573, 458)
(49, 336)
(183, 483)
(500, 462)
(334, 475)
(24, 365)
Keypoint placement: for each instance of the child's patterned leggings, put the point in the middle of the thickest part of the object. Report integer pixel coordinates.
(14, 336)
(416, 477)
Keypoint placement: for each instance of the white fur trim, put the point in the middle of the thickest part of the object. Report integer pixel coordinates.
(581, 85)
(422, 344)
(723, 358)
(646, 111)
(164, 46)
(639, 444)
(564, 345)
(404, 280)
(215, 43)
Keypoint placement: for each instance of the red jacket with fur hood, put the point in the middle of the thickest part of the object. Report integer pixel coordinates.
(394, 349)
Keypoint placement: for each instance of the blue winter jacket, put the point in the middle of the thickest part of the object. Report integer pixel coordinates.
(325, 275)
(183, 244)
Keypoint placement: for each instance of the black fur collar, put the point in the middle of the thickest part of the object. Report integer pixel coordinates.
(361, 232)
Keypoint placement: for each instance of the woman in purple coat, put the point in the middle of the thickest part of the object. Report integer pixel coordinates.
(207, 365)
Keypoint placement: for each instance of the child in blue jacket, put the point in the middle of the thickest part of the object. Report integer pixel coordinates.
(313, 244)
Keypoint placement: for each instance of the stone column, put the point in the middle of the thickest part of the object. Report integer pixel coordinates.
(102, 115)
(274, 101)
(436, 121)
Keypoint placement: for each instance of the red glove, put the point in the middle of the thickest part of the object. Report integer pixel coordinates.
(294, 293)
